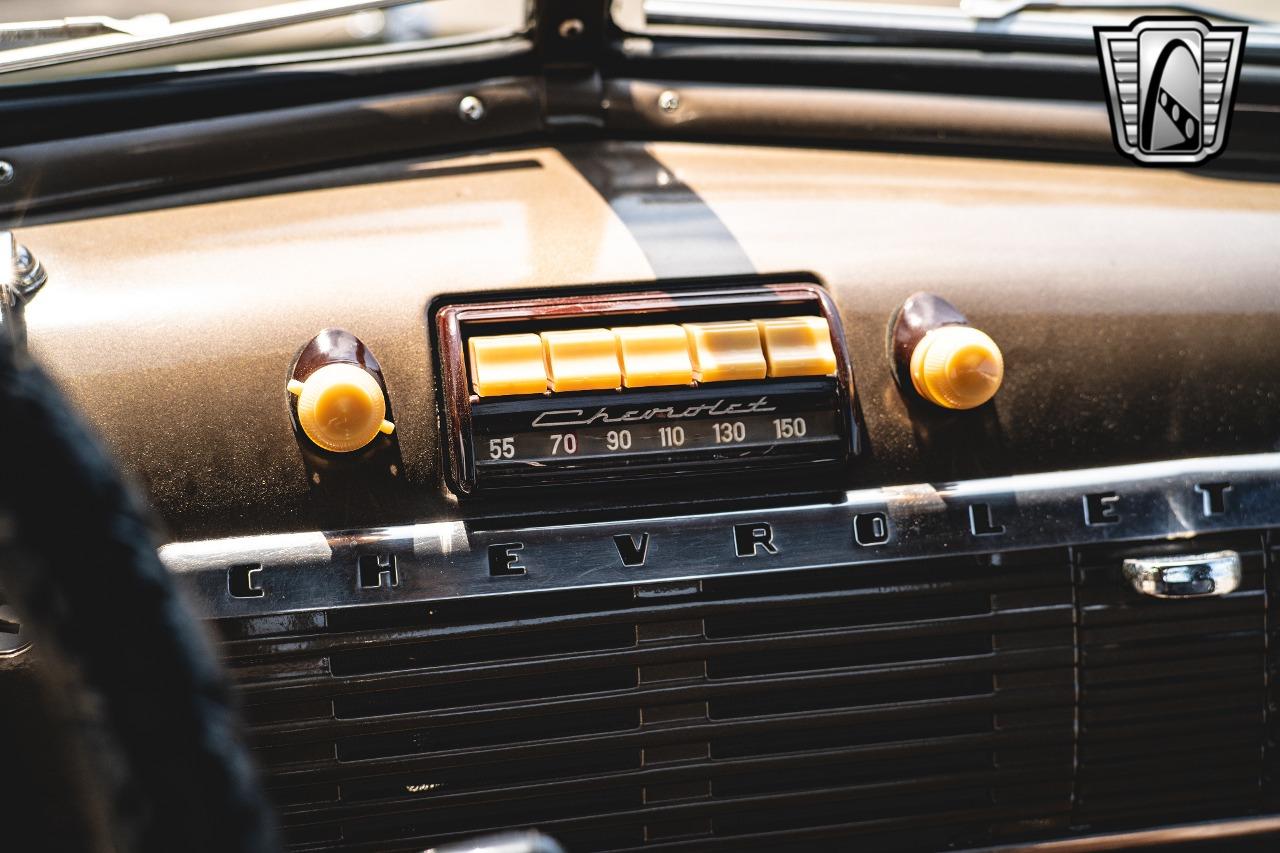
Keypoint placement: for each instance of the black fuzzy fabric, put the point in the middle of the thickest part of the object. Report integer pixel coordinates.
(176, 775)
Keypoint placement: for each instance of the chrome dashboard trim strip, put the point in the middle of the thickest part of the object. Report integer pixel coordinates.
(1162, 837)
(1173, 500)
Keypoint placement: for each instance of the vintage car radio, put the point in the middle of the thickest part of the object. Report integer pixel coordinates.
(602, 387)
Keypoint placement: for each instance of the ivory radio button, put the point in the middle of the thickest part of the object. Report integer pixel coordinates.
(654, 355)
(582, 360)
(798, 346)
(507, 364)
(726, 351)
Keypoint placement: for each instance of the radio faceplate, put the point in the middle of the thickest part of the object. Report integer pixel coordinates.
(715, 381)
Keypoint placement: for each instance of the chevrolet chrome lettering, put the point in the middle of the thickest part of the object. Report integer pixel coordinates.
(559, 418)
(1168, 501)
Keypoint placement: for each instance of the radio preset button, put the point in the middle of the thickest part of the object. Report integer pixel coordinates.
(654, 355)
(726, 351)
(798, 346)
(582, 360)
(648, 356)
(507, 364)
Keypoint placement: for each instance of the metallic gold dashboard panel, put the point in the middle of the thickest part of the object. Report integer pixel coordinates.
(169, 356)
(169, 328)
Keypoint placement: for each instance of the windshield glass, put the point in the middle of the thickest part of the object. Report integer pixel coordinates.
(26, 23)
(1259, 9)
(31, 28)
(1256, 10)
(1059, 25)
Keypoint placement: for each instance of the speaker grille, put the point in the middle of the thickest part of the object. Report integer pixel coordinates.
(910, 705)
(1173, 703)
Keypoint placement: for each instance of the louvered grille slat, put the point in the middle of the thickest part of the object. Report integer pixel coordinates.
(908, 705)
(886, 686)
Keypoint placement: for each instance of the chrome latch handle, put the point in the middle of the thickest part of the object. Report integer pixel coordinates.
(1185, 575)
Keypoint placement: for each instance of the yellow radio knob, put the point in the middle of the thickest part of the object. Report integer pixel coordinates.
(957, 367)
(341, 407)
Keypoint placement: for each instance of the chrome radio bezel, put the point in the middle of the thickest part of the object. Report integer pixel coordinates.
(455, 322)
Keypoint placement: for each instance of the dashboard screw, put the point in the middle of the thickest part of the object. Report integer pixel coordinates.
(669, 101)
(6, 172)
(471, 108)
(572, 28)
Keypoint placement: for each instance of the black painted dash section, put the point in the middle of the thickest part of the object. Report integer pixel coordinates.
(679, 233)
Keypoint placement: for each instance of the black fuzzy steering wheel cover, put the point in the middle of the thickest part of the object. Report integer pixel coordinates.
(81, 570)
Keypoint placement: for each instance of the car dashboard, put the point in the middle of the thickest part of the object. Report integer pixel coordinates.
(658, 534)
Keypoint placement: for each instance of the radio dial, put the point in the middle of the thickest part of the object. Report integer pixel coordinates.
(939, 356)
(341, 407)
(957, 367)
